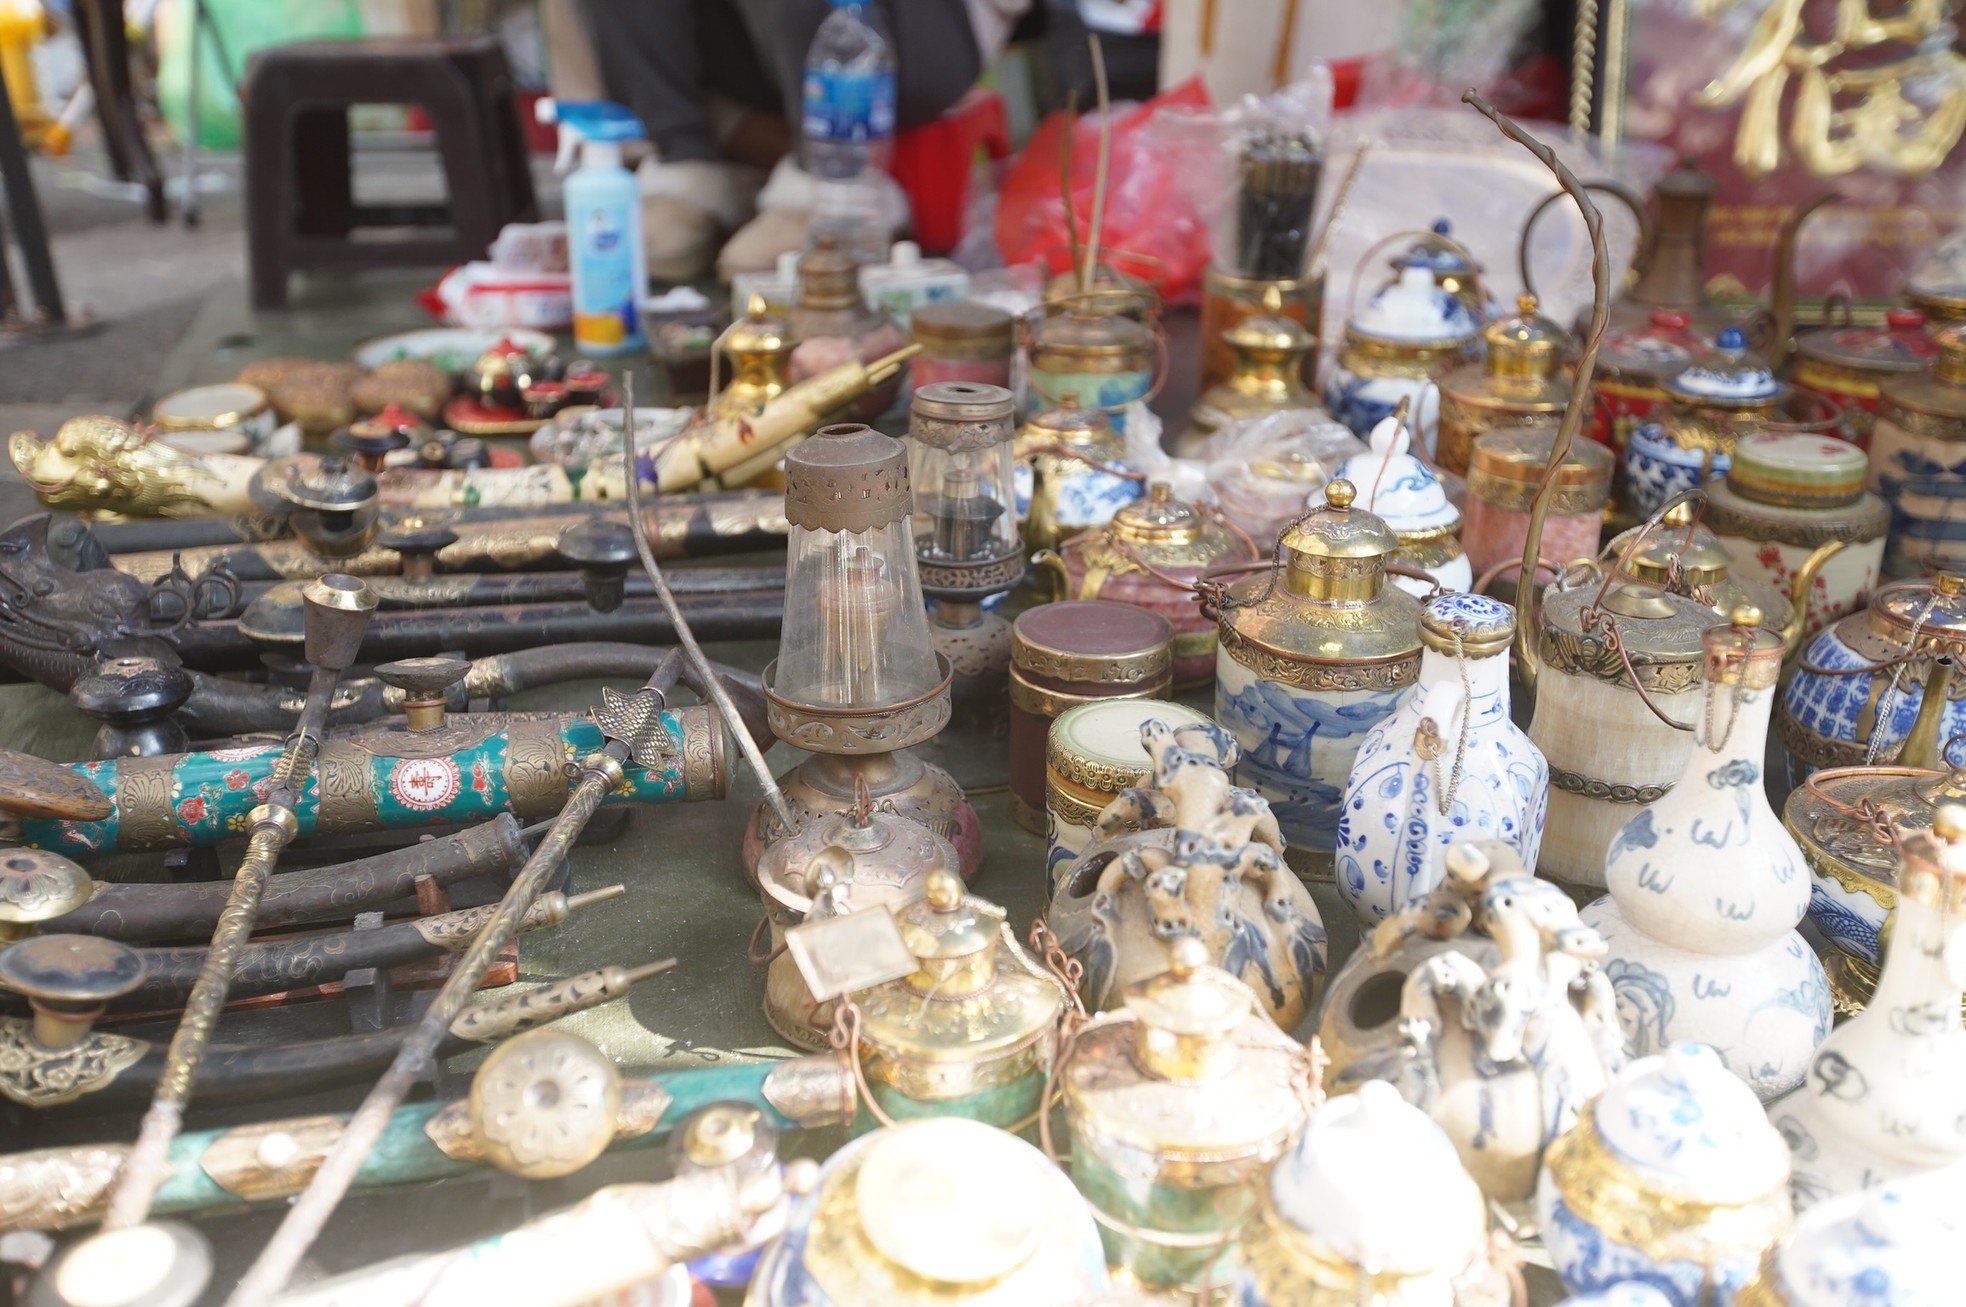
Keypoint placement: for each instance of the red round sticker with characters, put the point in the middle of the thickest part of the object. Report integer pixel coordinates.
(425, 784)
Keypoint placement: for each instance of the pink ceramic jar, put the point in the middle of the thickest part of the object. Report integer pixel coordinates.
(1503, 473)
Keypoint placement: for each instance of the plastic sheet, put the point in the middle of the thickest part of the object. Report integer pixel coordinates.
(1258, 471)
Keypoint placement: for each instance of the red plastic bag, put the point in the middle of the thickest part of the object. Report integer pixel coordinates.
(1150, 229)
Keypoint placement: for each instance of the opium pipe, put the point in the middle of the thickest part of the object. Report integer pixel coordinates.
(274, 966)
(143, 912)
(405, 1155)
(223, 646)
(463, 771)
(466, 589)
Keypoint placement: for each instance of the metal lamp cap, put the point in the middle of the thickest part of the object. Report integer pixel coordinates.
(1338, 530)
(968, 403)
(330, 485)
(847, 477)
(38, 886)
(829, 277)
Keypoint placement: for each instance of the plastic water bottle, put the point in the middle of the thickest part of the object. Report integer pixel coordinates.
(849, 95)
(848, 124)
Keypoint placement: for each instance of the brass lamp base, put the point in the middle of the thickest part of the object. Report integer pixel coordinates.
(822, 785)
(874, 746)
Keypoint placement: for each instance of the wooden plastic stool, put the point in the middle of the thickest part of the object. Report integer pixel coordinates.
(300, 207)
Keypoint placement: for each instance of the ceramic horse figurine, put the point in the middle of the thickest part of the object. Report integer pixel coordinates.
(1189, 855)
(1504, 1028)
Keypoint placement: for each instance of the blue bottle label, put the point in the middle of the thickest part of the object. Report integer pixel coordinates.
(604, 309)
(844, 105)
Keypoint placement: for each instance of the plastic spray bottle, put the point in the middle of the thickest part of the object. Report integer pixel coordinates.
(604, 223)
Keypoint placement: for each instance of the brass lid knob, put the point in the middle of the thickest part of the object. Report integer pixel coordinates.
(38, 886)
(545, 1104)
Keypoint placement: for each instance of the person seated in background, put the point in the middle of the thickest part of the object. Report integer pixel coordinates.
(717, 83)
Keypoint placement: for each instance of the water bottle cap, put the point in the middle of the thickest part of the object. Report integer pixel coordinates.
(904, 254)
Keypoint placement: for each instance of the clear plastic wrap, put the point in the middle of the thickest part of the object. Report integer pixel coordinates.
(1258, 471)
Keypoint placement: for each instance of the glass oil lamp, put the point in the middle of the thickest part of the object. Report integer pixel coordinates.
(857, 681)
(1268, 373)
(963, 474)
(1178, 1107)
(972, 1031)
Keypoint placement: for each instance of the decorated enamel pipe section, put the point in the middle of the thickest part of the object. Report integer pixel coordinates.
(461, 772)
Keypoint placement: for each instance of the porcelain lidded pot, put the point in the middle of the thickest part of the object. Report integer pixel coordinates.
(1371, 1205)
(1518, 383)
(1707, 888)
(1917, 444)
(1633, 365)
(1889, 1247)
(1066, 478)
(1725, 392)
(1178, 1106)
(1312, 656)
(1848, 365)
(1448, 262)
(1886, 1091)
(1410, 334)
(1848, 691)
(1789, 494)
(1404, 492)
(1607, 750)
(1448, 765)
(936, 1213)
(972, 1031)
(1148, 555)
(1673, 1177)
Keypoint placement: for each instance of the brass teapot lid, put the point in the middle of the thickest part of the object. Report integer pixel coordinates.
(1902, 344)
(1199, 1006)
(959, 1004)
(1741, 651)
(1269, 332)
(1157, 517)
(1098, 335)
(1940, 393)
(1701, 558)
(1072, 424)
(1661, 632)
(329, 485)
(1339, 531)
(1933, 607)
(1523, 345)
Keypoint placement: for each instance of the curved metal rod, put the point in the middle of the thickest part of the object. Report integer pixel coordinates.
(1617, 190)
(1580, 387)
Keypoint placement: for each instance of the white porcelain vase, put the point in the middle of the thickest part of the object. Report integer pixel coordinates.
(1448, 765)
(1707, 888)
(1885, 1096)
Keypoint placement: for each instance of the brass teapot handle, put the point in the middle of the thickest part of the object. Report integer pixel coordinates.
(1617, 190)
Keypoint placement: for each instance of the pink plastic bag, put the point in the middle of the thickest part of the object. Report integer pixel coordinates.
(1150, 229)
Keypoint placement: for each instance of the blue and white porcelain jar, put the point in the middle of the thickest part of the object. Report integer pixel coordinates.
(1370, 1205)
(1849, 691)
(1891, 1247)
(1411, 333)
(1310, 657)
(1449, 765)
(1672, 1178)
(1724, 394)
(941, 1210)
(1707, 888)
(1407, 495)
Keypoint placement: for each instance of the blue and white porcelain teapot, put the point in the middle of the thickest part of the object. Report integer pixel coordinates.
(1411, 333)
(1448, 765)
(1407, 495)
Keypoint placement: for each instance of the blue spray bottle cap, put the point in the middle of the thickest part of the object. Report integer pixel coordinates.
(587, 120)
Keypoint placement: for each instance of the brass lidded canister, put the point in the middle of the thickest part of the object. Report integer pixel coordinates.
(1178, 1105)
(972, 1031)
(1106, 360)
(1597, 722)
(1312, 656)
(1505, 473)
(759, 347)
(1268, 373)
(1518, 383)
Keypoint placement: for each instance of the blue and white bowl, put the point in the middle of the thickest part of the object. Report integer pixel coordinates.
(1657, 467)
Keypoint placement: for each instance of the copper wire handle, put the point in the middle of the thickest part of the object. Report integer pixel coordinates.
(1415, 574)
(1497, 571)
(1614, 640)
(1618, 191)
(845, 1039)
(1864, 813)
(1694, 495)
